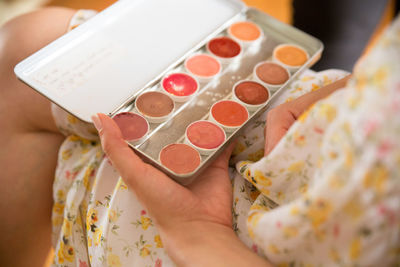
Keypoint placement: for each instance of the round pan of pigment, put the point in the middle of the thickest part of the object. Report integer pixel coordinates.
(155, 106)
(250, 94)
(180, 86)
(205, 136)
(246, 33)
(271, 74)
(134, 127)
(228, 114)
(290, 56)
(204, 67)
(224, 48)
(180, 158)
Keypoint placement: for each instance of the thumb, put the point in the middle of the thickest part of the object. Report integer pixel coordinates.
(119, 152)
(143, 178)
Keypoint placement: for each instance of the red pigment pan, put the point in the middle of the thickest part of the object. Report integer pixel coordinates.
(271, 74)
(180, 158)
(251, 94)
(229, 114)
(180, 86)
(205, 136)
(224, 48)
(134, 127)
(204, 67)
(156, 107)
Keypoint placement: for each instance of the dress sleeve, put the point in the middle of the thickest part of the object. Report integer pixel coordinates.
(336, 174)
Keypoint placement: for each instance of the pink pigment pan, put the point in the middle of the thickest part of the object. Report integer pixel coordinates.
(180, 158)
(203, 66)
(134, 127)
(205, 136)
(180, 86)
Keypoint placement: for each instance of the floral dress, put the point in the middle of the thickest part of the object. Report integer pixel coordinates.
(327, 195)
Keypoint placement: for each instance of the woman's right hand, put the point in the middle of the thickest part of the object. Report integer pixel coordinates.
(281, 118)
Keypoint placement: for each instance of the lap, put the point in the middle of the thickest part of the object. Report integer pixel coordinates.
(29, 140)
(22, 108)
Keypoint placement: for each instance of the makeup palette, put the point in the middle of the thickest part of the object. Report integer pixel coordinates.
(201, 71)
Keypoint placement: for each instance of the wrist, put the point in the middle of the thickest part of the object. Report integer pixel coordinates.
(207, 244)
(194, 233)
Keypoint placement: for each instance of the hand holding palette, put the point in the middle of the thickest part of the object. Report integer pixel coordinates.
(209, 81)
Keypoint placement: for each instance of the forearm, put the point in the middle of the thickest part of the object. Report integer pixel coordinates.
(209, 244)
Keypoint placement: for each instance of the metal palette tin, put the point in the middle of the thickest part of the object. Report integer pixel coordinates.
(219, 88)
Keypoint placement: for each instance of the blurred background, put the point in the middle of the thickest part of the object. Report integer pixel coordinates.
(348, 28)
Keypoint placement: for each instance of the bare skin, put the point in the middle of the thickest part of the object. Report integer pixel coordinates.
(29, 142)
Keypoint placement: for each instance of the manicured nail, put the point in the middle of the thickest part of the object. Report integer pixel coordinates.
(97, 122)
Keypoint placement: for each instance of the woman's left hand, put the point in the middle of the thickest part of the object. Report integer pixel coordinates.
(195, 222)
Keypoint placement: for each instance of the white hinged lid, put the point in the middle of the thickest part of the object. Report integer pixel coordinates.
(103, 63)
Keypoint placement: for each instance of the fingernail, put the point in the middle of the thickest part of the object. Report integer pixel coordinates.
(97, 122)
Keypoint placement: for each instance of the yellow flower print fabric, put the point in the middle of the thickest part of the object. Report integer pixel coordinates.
(330, 190)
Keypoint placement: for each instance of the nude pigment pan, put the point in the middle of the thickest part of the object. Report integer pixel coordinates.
(155, 106)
